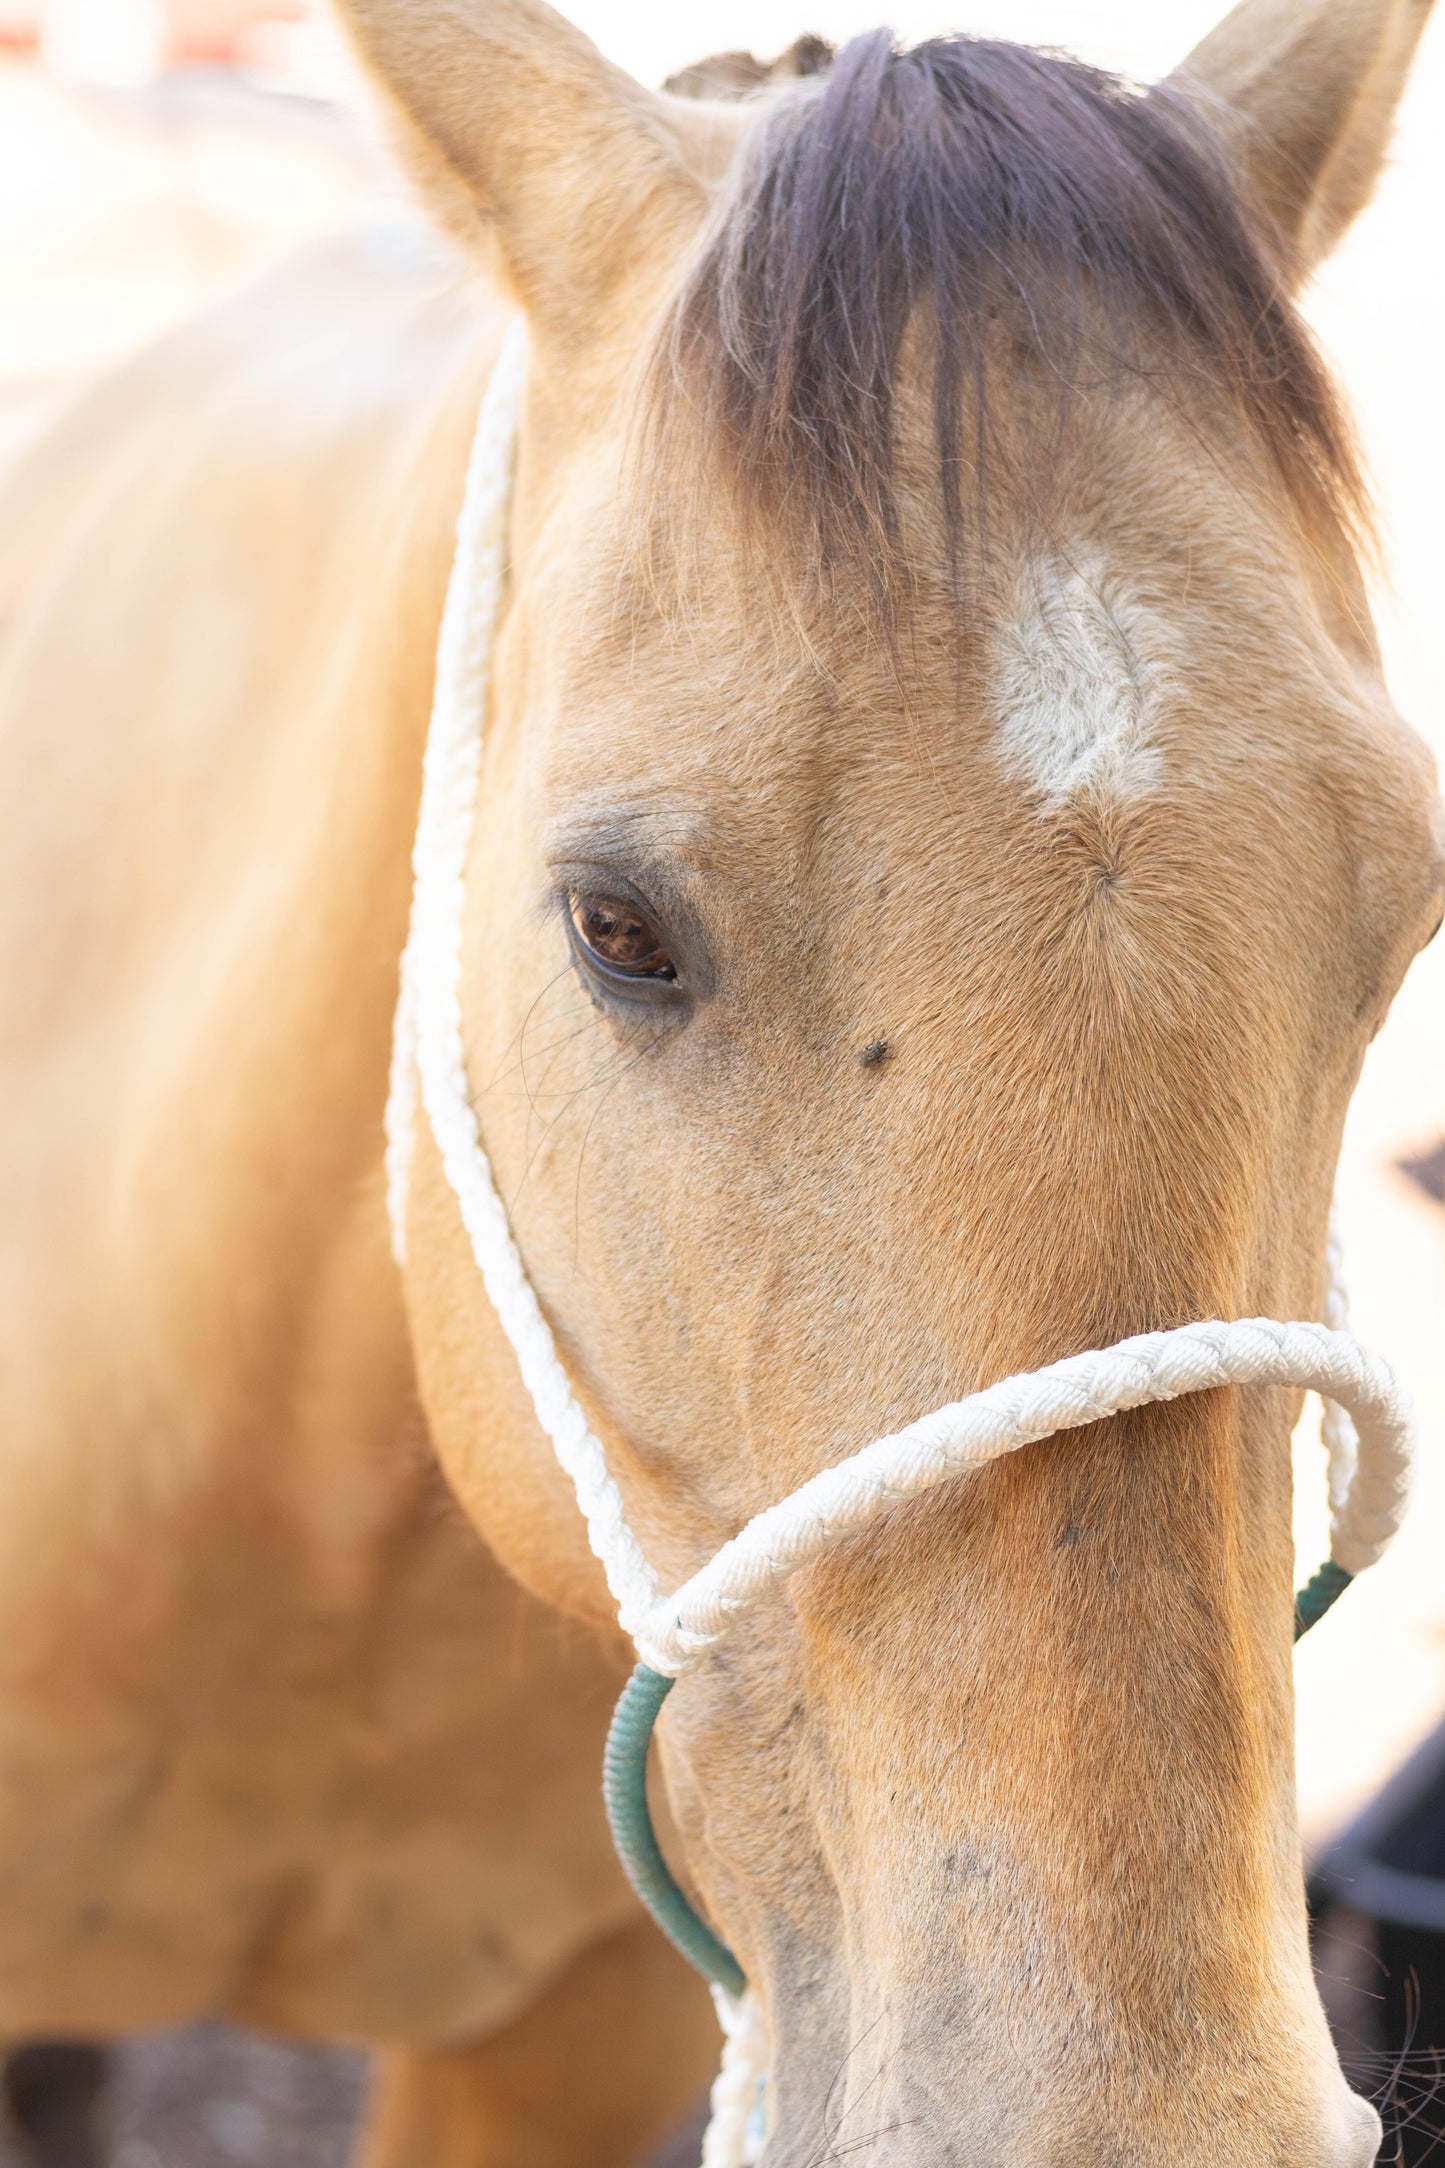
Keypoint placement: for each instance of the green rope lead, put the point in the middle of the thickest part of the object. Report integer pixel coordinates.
(1318, 1593)
(624, 1787)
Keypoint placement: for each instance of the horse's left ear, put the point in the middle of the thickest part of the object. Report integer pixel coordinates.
(1304, 92)
(522, 135)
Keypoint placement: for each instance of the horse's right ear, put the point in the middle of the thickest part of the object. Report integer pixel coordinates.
(517, 128)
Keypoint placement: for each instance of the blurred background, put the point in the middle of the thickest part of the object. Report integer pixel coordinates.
(154, 153)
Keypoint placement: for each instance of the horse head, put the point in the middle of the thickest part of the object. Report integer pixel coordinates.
(944, 847)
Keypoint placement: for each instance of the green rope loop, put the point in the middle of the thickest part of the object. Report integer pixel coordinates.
(1319, 1592)
(624, 1788)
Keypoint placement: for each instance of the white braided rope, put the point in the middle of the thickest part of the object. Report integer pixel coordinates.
(1341, 1440)
(1366, 1427)
(737, 2103)
(428, 1043)
(1036, 1404)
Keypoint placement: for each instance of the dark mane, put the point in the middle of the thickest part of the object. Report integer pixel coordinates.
(949, 191)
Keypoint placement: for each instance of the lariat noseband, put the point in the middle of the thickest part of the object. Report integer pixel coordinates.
(1366, 1428)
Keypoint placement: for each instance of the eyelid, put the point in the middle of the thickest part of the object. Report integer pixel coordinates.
(581, 878)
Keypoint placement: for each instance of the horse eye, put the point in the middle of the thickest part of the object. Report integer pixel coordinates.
(619, 938)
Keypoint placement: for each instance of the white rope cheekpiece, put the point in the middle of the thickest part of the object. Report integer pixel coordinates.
(1367, 1422)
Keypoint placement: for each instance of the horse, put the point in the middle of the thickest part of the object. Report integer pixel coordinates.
(944, 845)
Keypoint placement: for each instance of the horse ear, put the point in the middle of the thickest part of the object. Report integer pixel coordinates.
(1304, 93)
(519, 131)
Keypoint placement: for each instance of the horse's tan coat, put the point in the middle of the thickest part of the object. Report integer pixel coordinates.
(995, 1804)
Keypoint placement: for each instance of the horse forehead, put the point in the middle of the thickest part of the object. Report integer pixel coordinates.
(1094, 666)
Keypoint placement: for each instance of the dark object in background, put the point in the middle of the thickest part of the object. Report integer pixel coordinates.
(55, 2097)
(207, 2096)
(1378, 1900)
(1428, 1169)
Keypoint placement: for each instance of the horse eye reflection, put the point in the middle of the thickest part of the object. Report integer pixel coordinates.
(619, 937)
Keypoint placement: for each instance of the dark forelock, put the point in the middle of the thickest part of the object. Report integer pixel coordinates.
(942, 190)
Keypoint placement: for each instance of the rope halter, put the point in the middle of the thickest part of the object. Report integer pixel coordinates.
(1367, 1422)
